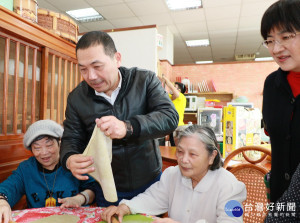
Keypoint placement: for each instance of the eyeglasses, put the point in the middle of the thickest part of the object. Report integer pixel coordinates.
(285, 40)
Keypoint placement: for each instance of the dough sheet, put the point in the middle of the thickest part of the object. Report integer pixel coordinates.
(100, 148)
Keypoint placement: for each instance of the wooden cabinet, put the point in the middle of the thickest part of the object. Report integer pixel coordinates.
(190, 117)
(38, 69)
(224, 97)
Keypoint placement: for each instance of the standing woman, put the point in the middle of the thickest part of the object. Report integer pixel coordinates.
(178, 89)
(280, 28)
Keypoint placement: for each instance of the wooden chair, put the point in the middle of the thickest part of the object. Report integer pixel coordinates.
(251, 173)
(22, 204)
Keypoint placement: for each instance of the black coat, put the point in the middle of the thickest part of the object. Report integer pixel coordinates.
(281, 116)
(292, 196)
(142, 100)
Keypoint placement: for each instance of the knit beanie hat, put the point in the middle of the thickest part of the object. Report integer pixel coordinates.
(42, 127)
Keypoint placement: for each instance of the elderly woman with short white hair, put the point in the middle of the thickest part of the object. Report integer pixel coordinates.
(41, 178)
(197, 189)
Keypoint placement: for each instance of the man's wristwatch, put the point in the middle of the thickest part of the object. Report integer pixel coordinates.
(129, 129)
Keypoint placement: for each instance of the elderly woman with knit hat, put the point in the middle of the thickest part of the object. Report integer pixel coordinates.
(41, 178)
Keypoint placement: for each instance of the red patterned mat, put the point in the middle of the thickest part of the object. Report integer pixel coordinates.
(86, 214)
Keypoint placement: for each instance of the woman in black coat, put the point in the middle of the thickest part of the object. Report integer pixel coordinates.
(280, 28)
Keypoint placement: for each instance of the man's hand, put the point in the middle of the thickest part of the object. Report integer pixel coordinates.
(78, 164)
(5, 212)
(112, 127)
(111, 211)
(164, 79)
(175, 91)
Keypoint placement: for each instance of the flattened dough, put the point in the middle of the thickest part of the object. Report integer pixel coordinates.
(100, 148)
(58, 219)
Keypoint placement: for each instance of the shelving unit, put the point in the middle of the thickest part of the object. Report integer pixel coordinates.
(38, 69)
(222, 96)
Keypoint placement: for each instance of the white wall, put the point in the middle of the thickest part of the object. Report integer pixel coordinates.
(137, 47)
(167, 51)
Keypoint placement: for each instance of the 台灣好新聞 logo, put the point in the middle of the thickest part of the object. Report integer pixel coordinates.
(233, 208)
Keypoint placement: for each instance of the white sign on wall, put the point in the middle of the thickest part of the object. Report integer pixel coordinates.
(137, 47)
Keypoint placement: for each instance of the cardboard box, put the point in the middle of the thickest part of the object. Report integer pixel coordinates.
(241, 127)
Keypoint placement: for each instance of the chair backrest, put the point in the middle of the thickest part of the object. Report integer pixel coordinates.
(251, 173)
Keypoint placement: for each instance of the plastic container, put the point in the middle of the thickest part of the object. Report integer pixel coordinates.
(242, 99)
(187, 83)
(210, 103)
(201, 102)
(7, 4)
(27, 9)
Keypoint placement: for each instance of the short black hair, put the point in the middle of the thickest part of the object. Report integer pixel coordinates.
(97, 38)
(181, 86)
(283, 14)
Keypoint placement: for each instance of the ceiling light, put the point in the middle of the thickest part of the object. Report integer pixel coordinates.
(264, 59)
(184, 4)
(200, 42)
(85, 15)
(204, 62)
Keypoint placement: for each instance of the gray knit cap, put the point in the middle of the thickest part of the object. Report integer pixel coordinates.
(42, 127)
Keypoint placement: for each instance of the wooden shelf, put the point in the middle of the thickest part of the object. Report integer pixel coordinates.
(190, 113)
(222, 96)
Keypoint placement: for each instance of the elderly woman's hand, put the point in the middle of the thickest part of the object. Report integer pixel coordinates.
(120, 211)
(5, 212)
(71, 202)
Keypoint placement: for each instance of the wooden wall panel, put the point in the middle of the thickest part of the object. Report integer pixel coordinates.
(58, 118)
(52, 88)
(16, 88)
(25, 85)
(34, 85)
(30, 75)
(71, 76)
(5, 86)
(64, 78)
(65, 87)
(22, 28)
(44, 81)
(76, 75)
(12, 153)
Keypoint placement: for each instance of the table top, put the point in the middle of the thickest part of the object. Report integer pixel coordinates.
(168, 153)
(86, 214)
